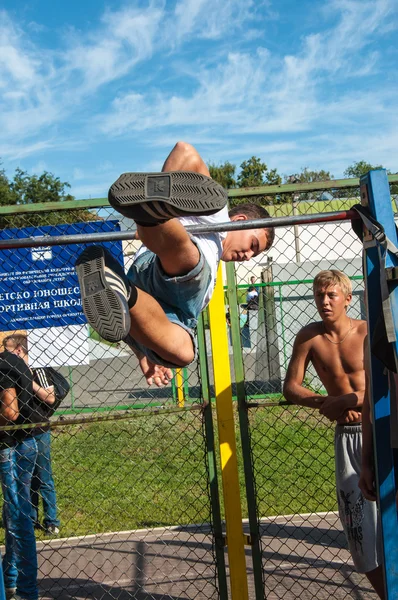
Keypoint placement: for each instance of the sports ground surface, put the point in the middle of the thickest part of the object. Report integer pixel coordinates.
(302, 558)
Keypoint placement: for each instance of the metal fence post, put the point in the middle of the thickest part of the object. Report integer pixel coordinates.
(244, 434)
(227, 441)
(375, 194)
(2, 588)
(180, 389)
(185, 383)
(72, 395)
(211, 460)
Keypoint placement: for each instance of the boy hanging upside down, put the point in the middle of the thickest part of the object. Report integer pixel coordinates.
(155, 307)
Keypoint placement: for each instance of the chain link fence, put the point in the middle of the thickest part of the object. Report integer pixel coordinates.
(303, 549)
(135, 468)
(124, 498)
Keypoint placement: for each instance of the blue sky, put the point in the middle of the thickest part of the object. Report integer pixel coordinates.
(92, 89)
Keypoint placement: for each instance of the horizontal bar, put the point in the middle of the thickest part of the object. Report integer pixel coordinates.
(133, 414)
(55, 206)
(264, 190)
(59, 240)
(244, 286)
(299, 188)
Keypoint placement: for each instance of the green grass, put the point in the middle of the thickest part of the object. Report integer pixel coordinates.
(150, 471)
(294, 461)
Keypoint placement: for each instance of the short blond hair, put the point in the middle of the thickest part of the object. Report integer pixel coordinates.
(331, 278)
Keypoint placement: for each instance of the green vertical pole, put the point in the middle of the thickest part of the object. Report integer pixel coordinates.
(174, 388)
(244, 434)
(283, 327)
(185, 383)
(72, 395)
(211, 461)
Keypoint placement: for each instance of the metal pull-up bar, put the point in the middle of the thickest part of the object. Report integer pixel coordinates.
(59, 240)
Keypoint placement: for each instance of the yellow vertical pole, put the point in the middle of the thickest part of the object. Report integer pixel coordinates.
(180, 388)
(227, 441)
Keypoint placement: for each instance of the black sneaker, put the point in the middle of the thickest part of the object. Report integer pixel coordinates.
(105, 291)
(153, 198)
(52, 530)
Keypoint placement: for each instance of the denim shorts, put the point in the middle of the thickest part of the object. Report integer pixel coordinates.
(181, 297)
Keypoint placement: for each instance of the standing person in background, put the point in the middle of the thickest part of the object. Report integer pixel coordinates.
(253, 284)
(335, 348)
(252, 298)
(19, 396)
(9, 412)
(42, 479)
(17, 382)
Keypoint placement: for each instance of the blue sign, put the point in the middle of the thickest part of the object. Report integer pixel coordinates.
(39, 286)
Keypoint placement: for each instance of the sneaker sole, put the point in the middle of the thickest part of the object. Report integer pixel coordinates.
(106, 311)
(188, 192)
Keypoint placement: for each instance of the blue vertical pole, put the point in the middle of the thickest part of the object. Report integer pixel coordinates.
(2, 589)
(375, 195)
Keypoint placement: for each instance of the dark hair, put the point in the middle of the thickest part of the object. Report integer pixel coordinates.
(254, 211)
(17, 339)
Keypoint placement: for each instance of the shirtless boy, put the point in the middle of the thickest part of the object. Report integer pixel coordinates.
(156, 306)
(335, 348)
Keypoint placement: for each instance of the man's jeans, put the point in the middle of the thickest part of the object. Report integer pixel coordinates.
(43, 483)
(20, 560)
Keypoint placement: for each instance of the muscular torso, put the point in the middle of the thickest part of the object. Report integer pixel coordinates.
(340, 367)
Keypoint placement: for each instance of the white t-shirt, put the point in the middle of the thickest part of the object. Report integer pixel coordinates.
(209, 243)
(251, 295)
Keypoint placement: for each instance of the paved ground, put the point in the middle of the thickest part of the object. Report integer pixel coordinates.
(303, 558)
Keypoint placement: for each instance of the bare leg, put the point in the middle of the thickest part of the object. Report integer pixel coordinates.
(151, 327)
(169, 240)
(178, 255)
(104, 302)
(376, 579)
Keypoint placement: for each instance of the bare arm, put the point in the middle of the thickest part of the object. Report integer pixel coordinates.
(334, 407)
(156, 374)
(45, 394)
(9, 410)
(293, 388)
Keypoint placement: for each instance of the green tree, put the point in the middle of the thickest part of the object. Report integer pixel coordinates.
(272, 177)
(36, 189)
(360, 168)
(224, 174)
(7, 197)
(254, 173)
(308, 176)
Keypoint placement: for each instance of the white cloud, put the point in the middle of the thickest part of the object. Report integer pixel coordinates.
(16, 151)
(263, 93)
(226, 99)
(211, 19)
(43, 88)
(125, 38)
(97, 189)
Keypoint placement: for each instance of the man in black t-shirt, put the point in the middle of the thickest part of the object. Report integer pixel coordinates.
(8, 415)
(20, 401)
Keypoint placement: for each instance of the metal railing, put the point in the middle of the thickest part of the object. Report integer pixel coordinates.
(137, 470)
